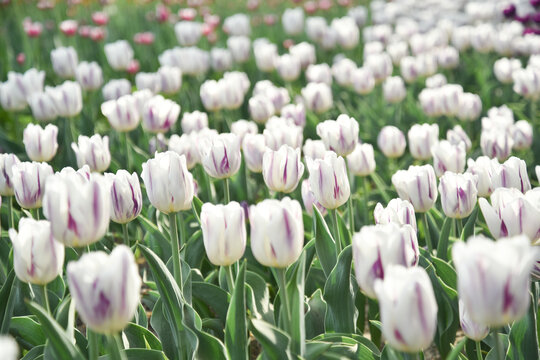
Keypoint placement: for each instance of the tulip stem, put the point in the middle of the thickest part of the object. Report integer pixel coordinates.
(478, 350)
(93, 344)
(498, 346)
(126, 234)
(45, 299)
(366, 196)
(227, 193)
(351, 214)
(128, 157)
(115, 347)
(282, 282)
(427, 234)
(177, 267)
(11, 217)
(337, 235)
(230, 277)
(68, 133)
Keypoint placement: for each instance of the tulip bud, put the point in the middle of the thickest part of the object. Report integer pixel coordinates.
(254, 148)
(243, 127)
(126, 196)
(398, 211)
(418, 185)
(119, 54)
(293, 21)
(319, 73)
(282, 169)
(89, 75)
(43, 107)
(122, 113)
(380, 66)
(10, 349)
(116, 88)
(220, 155)
(512, 174)
(149, 81)
(186, 145)
(314, 149)
(458, 194)
(436, 81)
(224, 232)
(265, 56)
(526, 82)
(421, 139)
(408, 308)
(484, 169)
(278, 96)
(504, 296)
(277, 232)
(64, 61)
(472, 329)
(340, 135)
(512, 213)
(362, 80)
(448, 157)
(308, 197)
(40, 143)
(376, 247)
(394, 90)
(240, 48)
(169, 184)
(170, 79)
(220, 59)
(457, 135)
(496, 143)
(93, 151)
(343, 71)
(391, 141)
(37, 256)
(522, 134)
(317, 97)
(67, 98)
(362, 160)
(288, 67)
(77, 206)
(194, 121)
(504, 67)
(329, 181)
(28, 180)
(188, 33)
(106, 288)
(261, 108)
(159, 114)
(305, 52)
(296, 113)
(7, 161)
(469, 107)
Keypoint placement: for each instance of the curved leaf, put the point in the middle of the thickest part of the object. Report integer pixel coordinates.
(275, 342)
(235, 327)
(324, 243)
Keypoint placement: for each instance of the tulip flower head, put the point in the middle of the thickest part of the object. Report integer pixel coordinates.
(329, 181)
(126, 196)
(397, 211)
(29, 180)
(472, 329)
(458, 194)
(221, 156)
(391, 141)
(40, 143)
(7, 161)
(340, 135)
(282, 169)
(418, 185)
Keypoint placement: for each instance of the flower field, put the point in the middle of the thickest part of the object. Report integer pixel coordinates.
(330, 179)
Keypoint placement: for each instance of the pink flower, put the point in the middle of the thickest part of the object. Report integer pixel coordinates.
(100, 18)
(68, 27)
(144, 38)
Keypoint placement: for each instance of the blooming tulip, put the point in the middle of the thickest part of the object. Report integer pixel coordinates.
(512, 174)
(89, 75)
(457, 135)
(391, 141)
(122, 113)
(254, 148)
(150, 81)
(448, 157)
(522, 134)
(186, 145)
(29, 179)
(472, 329)
(119, 54)
(6, 173)
(220, 155)
(194, 121)
(40, 143)
(340, 135)
(295, 112)
(282, 169)
(496, 143)
(421, 139)
(19, 88)
(484, 169)
(361, 161)
(314, 149)
(126, 196)
(116, 88)
(317, 97)
(67, 98)
(329, 181)
(159, 114)
(280, 132)
(64, 61)
(458, 194)
(418, 185)
(398, 211)
(242, 127)
(93, 151)
(309, 200)
(43, 106)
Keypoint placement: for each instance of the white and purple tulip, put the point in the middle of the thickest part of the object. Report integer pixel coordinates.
(6, 173)
(126, 196)
(340, 135)
(397, 211)
(458, 194)
(282, 169)
(221, 156)
(329, 181)
(93, 151)
(418, 185)
(159, 114)
(29, 179)
(40, 143)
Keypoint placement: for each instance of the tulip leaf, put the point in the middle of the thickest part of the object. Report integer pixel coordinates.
(456, 350)
(213, 296)
(442, 246)
(295, 291)
(339, 295)
(324, 243)
(447, 275)
(468, 229)
(35, 353)
(139, 354)
(523, 338)
(162, 243)
(315, 315)
(274, 341)
(236, 327)
(350, 339)
(388, 353)
(314, 349)
(196, 206)
(58, 338)
(8, 294)
(28, 329)
(381, 186)
(139, 337)
(261, 295)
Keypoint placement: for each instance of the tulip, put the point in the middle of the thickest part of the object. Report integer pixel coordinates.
(496, 143)
(472, 329)
(231, 92)
(19, 88)
(418, 185)
(89, 75)
(447, 57)
(224, 232)
(329, 181)
(407, 291)
(106, 288)
(340, 135)
(503, 297)
(457, 135)
(391, 141)
(191, 60)
(522, 134)
(64, 61)
(78, 207)
(242, 127)
(122, 113)
(512, 174)
(458, 194)
(159, 114)
(169, 184)
(280, 132)
(67, 98)
(317, 97)
(347, 33)
(126, 196)
(188, 33)
(343, 70)
(68, 27)
(278, 96)
(293, 21)
(277, 232)
(7, 161)
(211, 94)
(116, 88)
(40, 143)
(220, 156)
(254, 148)
(436, 81)
(397, 51)
(394, 90)
(282, 169)
(361, 161)
(237, 24)
(376, 247)
(362, 80)
(398, 211)
(305, 52)
(319, 73)
(448, 157)
(93, 151)
(288, 67)
(314, 149)
(315, 27)
(537, 170)
(119, 54)
(380, 66)
(194, 121)
(10, 349)
(221, 59)
(240, 48)
(527, 82)
(421, 139)
(265, 56)
(309, 200)
(29, 179)
(150, 81)
(504, 67)
(484, 169)
(469, 107)
(512, 213)
(37, 256)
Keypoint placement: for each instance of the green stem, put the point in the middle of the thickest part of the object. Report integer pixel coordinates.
(227, 193)
(93, 344)
(126, 234)
(498, 346)
(230, 277)
(11, 216)
(337, 234)
(182, 233)
(115, 348)
(478, 351)
(427, 234)
(68, 135)
(282, 283)
(45, 296)
(246, 178)
(177, 269)
(533, 109)
(128, 153)
(366, 197)
(459, 224)
(351, 214)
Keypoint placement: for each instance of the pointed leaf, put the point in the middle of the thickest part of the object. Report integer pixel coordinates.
(236, 327)
(324, 243)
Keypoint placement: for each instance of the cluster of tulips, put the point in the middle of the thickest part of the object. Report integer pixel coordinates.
(224, 250)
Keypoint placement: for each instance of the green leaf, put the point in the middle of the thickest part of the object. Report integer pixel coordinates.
(139, 337)
(8, 294)
(58, 338)
(314, 349)
(456, 350)
(350, 339)
(162, 242)
(339, 295)
(261, 295)
(324, 243)
(28, 329)
(196, 206)
(468, 229)
(236, 327)
(389, 353)
(447, 275)
(275, 342)
(442, 246)
(140, 354)
(522, 337)
(213, 296)
(316, 315)
(295, 290)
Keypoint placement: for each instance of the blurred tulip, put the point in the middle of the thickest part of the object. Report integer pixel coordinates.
(242, 127)
(89, 75)
(237, 25)
(29, 179)
(43, 106)
(64, 61)
(194, 121)
(317, 97)
(282, 169)
(504, 296)
(280, 132)
(522, 134)
(40, 143)
(265, 56)
(448, 157)
(347, 33)
(376, 247)
(362, 80)
(186, 145)
(340, 135)
(119, 54)
(116, 88)
(93, 151)
(309, 200)
(20, 88)
(240, 48)
(67, 98)
(484, 169)
(418, 185)
(220, 155)
(469, 107)
(527, 82)
(394, 90)
(150, 81)
(277, 232)
(457, 135)
(122, 113)
(421, 139)
(159, 114)
(21, 58)
(33, 29)
(305, 52)
(329, 181)
(37, 256)
(100, 18)
(261, 108)
(343, 71)
(221, 59)
(512, 174)
(224, 232)
(126, 196)
(295, 112)
(319, 73)
(380, 66)
(10, 349)
(504, 67)
(472, 329)
(288, 67)
(496, 143)
(144, 38)
(106, 288)
(7, 161)
(68, 27)
(254, 148)
(168, 183)
(436, 81)
(391, 141)
(458, 194)
(398, 211)
(293, 21)
(361, 161)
